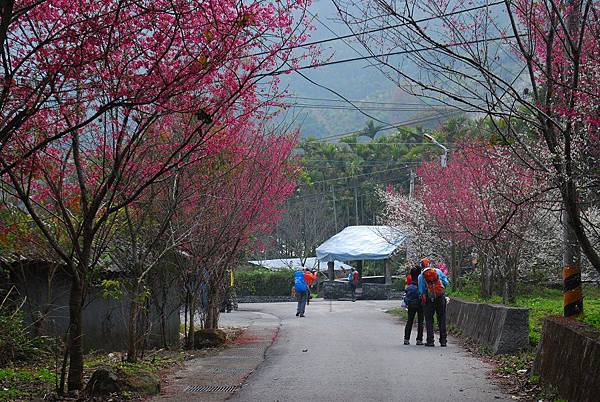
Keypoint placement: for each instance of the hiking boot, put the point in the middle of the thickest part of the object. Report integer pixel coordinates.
(430, 344)
(419, 343)
(301, 315)
(297, 314)
(406, 342)
(443, 344)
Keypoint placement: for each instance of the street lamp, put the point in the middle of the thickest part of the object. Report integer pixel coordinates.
(444, 157)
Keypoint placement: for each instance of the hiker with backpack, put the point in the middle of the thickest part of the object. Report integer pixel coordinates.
(432, 284)
(309, 278)
(413, 304)
(301, 289)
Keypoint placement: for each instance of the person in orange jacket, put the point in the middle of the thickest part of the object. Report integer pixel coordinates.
(309, 278)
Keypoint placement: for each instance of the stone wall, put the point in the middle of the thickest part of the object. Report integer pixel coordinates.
(501, 328)
(335, 290)
(568, 358)
(376, 291)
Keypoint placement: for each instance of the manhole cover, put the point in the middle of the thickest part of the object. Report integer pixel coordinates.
(211, 388)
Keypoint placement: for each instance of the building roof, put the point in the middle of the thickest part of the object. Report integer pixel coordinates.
(361, 243)
(294, 263)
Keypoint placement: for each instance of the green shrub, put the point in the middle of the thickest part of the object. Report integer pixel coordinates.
(16, 343)
(262, 282)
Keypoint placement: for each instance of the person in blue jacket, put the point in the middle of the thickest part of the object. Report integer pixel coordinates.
(301, 289)
(413, 304)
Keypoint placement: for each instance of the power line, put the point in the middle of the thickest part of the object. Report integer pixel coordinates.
(373, 143)
(360, 101)
(400, 124)
(353, 35)
(359, 175)
(376, 162)
(371, 108)
(398, 180)
(376, 56)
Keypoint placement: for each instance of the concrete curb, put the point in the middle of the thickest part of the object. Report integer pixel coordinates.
(218, 377)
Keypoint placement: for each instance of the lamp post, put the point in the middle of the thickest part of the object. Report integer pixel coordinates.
(444, 157)
(443, 161)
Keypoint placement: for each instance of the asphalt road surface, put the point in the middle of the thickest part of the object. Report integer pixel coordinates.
(345, 351)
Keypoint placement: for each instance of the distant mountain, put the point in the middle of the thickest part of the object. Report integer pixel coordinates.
(320, 113)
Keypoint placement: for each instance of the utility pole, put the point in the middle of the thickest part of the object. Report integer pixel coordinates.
(356, 203)
(334, 209)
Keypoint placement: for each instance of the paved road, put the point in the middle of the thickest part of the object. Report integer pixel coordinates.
(353, 352)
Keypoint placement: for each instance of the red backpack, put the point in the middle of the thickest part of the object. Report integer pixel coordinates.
(433, 282)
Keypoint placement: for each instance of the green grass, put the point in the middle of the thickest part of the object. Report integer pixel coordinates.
(25, 383)
(398, 312)
(542, 303)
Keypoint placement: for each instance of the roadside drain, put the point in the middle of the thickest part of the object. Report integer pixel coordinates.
(212, 388)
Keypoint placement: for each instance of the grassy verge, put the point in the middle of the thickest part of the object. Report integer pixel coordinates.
(398, 312)
(542, 303)
(26, 383)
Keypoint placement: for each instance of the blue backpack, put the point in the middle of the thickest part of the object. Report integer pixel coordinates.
(411, 295)
(299, 282)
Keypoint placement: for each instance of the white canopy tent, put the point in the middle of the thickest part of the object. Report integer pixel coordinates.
(295, 264)
(358, 243)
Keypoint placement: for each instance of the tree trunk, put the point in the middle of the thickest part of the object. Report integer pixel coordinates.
(485, 290)
(132, 330)
(455, 260)
(190, 335)
(212, 313)
(572, 293)
(75, 380)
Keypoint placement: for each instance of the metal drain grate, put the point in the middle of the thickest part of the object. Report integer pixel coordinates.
(212, 388)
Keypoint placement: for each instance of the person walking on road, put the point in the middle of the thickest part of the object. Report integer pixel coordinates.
(432, 283)
(309, 278)
(413, 303)
(353, 279)
(301, 292)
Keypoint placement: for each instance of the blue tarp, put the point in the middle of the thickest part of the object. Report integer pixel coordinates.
(356, 243)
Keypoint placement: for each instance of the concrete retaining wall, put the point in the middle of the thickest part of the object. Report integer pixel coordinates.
(335, 290)
(376, 291)
(264, 299)
(501, 328)
(568, 358)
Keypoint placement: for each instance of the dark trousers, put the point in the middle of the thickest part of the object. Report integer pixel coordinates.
(353, 290)
(412, 311)
(437, 307)
(302, 298)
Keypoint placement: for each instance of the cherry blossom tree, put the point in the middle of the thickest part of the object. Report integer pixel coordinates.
(234, 202)
(531, 66)
(484, 199)
(104, 98)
